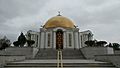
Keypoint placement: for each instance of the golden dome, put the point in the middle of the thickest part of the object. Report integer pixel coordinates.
(59, 21)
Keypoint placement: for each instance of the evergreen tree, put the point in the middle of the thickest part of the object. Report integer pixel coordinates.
(90, 43)
(21, 40)
(116, 46)
(101, 43)
(4, 43)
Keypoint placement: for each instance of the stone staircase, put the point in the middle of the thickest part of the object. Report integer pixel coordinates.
(47, 58)
(52, 54)
(52, 63)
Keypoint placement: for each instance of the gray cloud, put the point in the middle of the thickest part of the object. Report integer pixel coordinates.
(100, 16)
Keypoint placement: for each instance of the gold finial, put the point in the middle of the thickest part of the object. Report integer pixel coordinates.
(59, 13)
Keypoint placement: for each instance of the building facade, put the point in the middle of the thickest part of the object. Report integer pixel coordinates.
(59, 32)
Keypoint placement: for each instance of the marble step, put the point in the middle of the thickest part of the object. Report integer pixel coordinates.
(65, 57)
(52, 53)
(53, 63)
(63, 67)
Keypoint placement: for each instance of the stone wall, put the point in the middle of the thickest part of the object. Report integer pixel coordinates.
(9, 58)
(90, 52)
(117, 51)
(113, 58)
(27, 51)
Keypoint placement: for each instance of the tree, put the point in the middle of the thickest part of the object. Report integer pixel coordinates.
(16, 43)
(109, 45)
(30, 42)
(90, 43)
(21, 40)
(101, 43)
(4, 43)
(116, 46)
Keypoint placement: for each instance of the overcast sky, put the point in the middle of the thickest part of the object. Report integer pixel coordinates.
(102, 17)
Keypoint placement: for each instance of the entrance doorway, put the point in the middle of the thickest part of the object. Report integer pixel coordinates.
(59, 39)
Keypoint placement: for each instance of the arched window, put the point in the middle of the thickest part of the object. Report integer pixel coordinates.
(49, 39)
(70, 40)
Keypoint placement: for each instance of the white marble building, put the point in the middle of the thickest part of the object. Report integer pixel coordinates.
(59, 31)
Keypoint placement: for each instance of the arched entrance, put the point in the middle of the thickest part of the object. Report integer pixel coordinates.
(59, 39)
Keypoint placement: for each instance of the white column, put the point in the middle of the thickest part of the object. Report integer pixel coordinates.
(64, 39)
(83, 37)
(72, 40)
(67, 40)
(33, 38)
(42, 40)
(76, 40)
(45, 40)
(54, 36)
(39, 37)
(80, 40)
(51, 39)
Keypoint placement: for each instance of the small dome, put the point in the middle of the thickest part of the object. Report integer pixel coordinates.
(59, 21)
